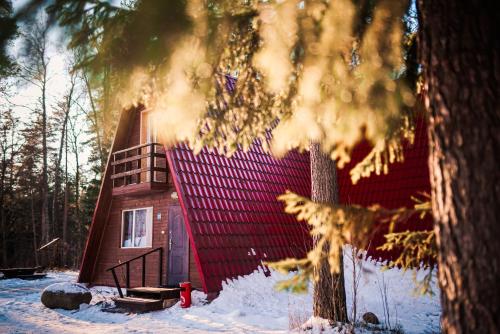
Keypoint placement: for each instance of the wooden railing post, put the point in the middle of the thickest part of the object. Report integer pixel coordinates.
(144, 270)
(114, 169)
(127, 269)
(160, 269)
(139, 165)
(117, 284)
(125, 169)
(151, 163)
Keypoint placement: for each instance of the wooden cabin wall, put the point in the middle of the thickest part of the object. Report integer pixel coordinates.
(134, 138)
(111, 253)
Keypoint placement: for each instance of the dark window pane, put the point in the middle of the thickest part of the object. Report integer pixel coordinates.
(140, 228)
(127, 229)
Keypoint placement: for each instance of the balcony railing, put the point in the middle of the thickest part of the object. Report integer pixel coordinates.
(139, 168)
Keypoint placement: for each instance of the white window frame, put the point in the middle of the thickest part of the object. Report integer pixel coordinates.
(149, 227)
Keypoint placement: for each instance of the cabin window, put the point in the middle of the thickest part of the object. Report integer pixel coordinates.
(137, 228)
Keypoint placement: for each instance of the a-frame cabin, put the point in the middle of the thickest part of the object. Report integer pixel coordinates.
(207, 218)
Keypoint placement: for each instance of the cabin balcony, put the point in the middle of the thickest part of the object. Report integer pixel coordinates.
(139, 170)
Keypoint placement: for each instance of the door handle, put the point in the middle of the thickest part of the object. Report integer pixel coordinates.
(169, 243)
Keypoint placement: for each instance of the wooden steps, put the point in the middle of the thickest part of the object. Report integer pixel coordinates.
(146, 299)
(138, 305)
(154, 293)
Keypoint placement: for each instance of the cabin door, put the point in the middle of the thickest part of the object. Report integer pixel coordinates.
(178, 247)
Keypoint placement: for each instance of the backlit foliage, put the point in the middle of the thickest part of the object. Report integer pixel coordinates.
(8, 29)
(337, 225)
(317, 70)
(385, 152)
(304, 64)
(417, 249)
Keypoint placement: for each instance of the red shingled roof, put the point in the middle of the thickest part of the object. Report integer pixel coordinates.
(234, 220)
(393, 190)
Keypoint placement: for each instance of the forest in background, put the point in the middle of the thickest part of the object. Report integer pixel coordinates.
(325, 70)
(53, 151)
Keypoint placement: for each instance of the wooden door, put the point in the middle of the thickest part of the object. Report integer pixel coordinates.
(178, 246)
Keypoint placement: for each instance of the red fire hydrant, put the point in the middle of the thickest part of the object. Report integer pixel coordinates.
(185, 294)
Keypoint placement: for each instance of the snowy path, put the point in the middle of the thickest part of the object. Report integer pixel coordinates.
(247, 305)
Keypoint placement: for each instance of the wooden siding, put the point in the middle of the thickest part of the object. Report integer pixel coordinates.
(134, 138)
(111, 253)
(103, 247)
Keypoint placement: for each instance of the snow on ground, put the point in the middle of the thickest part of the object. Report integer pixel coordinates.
(67, 287)
(247, 305)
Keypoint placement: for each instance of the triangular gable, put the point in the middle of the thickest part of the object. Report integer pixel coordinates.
(103, 205)
(233, 218)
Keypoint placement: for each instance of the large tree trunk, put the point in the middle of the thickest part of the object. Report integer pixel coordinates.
(329, 298)
(460, 54)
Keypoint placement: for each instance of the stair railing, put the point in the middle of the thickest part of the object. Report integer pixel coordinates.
(127, 270)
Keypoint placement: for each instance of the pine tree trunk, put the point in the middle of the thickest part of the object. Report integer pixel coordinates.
(45, 178)
(57, 175)
(65, 246)
(33, 227)
(77, 204)
(329, 298)
(3, 226)
(2, 212)
(460, 54)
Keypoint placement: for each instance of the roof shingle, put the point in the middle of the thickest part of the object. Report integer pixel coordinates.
(235, 221)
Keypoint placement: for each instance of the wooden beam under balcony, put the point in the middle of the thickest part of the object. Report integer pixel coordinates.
(140, 189)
